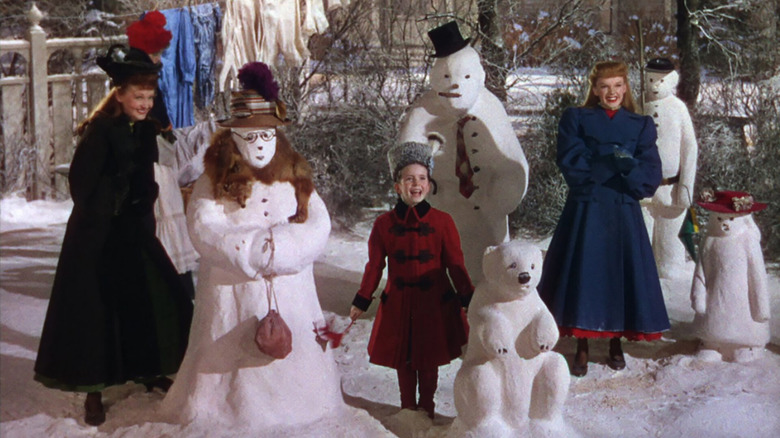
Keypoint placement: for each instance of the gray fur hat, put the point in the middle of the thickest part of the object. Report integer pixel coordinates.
(404, 154)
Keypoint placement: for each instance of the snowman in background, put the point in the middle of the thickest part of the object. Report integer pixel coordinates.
(729, 291)
(484, 172)
(665, 212)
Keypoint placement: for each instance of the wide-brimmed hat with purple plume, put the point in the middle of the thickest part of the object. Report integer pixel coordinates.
(257, 104)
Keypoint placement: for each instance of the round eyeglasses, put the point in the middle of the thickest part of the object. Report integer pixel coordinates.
(253, 136)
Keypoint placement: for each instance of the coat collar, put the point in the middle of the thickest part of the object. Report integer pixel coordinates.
(622, 112)
(402, 210)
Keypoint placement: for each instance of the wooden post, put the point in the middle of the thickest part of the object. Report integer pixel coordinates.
(39, 107)
(641, 40)
(62, 130)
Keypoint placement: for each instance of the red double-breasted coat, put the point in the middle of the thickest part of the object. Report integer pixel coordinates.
(419, 320)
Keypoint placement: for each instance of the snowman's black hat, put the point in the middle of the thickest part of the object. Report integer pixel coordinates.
(447, 39)
(659, 65)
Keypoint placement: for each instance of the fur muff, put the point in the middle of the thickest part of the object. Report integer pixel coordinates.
(232, 177)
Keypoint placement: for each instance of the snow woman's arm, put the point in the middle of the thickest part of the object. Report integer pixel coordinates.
(288, 248)
(220, 241)
(758, 294)
(699, 286)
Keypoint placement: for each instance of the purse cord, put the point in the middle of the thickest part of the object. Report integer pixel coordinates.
(268, 279)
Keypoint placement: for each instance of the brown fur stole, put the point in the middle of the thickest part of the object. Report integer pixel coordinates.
(232, 177)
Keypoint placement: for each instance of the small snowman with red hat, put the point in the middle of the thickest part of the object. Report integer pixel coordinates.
(729, 292)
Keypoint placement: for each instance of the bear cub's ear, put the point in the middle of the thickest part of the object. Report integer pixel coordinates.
(489, 250)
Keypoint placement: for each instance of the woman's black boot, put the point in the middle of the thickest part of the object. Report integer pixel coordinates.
(616, 360)
(94, 414)
(579, 367)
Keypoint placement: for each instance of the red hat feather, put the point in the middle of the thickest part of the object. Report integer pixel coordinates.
(149, 33)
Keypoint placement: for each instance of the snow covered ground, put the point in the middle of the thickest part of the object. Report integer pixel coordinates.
(663, 392)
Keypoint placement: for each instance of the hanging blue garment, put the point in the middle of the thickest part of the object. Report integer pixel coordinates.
(206, 22)
(179, 65)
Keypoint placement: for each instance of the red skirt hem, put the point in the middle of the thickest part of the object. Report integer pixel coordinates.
(592, 334)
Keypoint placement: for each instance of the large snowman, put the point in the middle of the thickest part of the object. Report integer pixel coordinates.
(258, 225)
(665, 211)
(729, 292)
(484, 172)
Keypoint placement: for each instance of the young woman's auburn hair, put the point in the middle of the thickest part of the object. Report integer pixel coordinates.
(609, 69)
(109, 106)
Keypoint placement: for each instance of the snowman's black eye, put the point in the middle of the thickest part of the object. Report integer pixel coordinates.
(533, 266)
(468, 76)
(512, 266)
(447, 76)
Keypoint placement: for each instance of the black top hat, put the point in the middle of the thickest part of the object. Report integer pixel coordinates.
(659, 65)
(447, 39)
(121, 63)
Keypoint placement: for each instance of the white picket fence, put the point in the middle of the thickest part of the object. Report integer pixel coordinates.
(39, 111)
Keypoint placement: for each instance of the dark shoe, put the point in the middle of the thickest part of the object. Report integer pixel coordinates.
(163, 383)
(94, 413)
(579, 367)
(616, 360)
(428, 381)
(429, 410)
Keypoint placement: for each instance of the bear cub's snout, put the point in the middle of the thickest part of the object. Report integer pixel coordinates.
(523, 277)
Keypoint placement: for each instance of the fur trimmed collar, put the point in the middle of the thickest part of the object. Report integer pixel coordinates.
(402, 210)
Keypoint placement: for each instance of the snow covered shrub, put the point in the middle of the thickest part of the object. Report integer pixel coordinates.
(346, 148)
(538, 214)
(739, 149)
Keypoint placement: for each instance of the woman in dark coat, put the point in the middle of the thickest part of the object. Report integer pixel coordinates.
(599, 278)
(117, 310)
(419, 325)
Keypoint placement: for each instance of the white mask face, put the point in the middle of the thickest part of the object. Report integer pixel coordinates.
(660, 85)
(458, 79)
(256, 145)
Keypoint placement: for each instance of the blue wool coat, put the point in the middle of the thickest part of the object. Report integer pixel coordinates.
(599, 273)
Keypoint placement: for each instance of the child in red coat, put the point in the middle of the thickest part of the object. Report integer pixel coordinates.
(419, 324)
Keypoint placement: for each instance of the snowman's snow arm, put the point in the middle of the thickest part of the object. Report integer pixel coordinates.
(758, 296)
(244, 249)
(295, 246)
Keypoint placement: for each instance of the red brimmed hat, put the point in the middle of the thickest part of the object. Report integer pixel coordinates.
(149, 33)
(730, 202)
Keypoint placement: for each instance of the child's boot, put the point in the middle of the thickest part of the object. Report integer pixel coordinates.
(407, 383)
(428, 383)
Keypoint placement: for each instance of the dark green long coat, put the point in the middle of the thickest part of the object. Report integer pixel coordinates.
(118, 311)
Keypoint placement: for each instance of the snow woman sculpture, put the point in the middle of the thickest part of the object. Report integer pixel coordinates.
(729, 292)
(483, 171)
(665, 211)
(258, 225)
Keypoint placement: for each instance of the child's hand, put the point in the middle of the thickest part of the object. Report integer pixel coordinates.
(354, 313)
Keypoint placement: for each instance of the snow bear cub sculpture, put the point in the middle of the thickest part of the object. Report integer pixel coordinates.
(511, 383)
